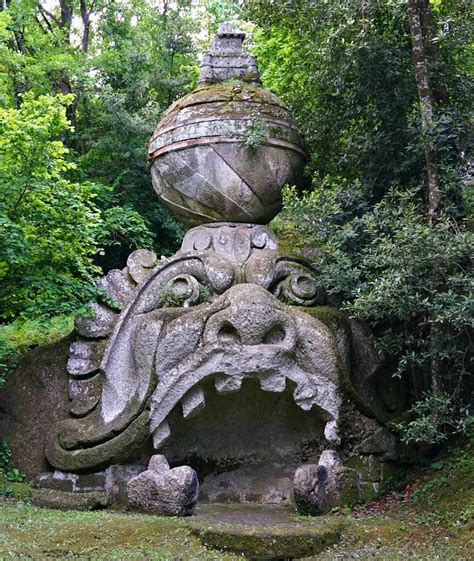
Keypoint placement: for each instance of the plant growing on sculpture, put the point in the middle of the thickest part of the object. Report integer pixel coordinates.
(253, 135)
(172, 299)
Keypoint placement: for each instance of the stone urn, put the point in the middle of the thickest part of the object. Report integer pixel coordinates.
(224, 151)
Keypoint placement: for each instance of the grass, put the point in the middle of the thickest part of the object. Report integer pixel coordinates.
(27, 532)
(21, 335)
(430, 518)
(25, 334)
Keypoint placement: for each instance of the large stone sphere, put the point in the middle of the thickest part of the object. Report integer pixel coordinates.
(223, 153)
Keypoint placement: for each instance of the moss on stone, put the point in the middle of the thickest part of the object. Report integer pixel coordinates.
(63, 500)
(265, 532)
(331, 317)
(35, 533)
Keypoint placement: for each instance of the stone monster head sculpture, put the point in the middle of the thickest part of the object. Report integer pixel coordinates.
(225, 314)
(228, 306)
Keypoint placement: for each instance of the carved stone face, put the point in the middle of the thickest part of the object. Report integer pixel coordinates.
(245, 333)
(230, 310)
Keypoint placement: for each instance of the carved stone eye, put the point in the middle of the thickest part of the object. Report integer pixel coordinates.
(303, 286)
(183, 291)
(299, 289)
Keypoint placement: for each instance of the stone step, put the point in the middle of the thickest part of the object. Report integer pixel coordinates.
(264, 532)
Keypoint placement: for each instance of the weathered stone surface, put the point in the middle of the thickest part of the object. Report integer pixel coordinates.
(202, 170)
(140, 265)
(166, 343)
(72, 482)
(63, 500)
(117, 478)
(225, 60)
(381, 443)
(33, 399)
(85, 356)
(318, 488)
(99, 324)
(158, 463)
(84, 395)
(264, 532)
(234, 242)
(118, 286)
(306, 481)
(365, 364)
(164, 491)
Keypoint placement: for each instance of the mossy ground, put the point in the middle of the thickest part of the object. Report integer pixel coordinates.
(431, 518)
(27, 532)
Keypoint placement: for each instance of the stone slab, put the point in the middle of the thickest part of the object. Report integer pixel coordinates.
(62, 500)
(263, 532)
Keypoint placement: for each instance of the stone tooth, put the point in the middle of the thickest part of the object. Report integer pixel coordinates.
(305, 396)
(84, 395)
(99, 324)
(117, 285)
(193, 402)
(160, 434)
(85, 356)
(331, 433)
(228, 384)
(273, 382)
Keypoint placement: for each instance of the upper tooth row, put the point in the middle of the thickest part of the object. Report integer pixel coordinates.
(194, 401)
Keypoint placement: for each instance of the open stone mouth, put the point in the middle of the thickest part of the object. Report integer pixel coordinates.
(162, 358)
(273, 366)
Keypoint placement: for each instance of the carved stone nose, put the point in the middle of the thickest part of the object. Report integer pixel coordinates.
(250, 319)
(230, 333)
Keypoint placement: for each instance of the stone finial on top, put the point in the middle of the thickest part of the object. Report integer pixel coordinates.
(226, 60)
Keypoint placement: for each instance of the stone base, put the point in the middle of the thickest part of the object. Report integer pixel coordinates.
(264, 532)
(63, 500)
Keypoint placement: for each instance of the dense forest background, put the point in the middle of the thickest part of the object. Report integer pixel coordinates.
(382, 91)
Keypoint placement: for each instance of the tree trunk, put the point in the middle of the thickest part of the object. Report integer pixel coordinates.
(419, 12)
(66, 16)
(425, 58)
(86, 25)
(435, 66)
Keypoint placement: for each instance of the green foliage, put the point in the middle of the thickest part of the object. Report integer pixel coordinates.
(49, 222)
(253, 135)
(8, 473)
(345, 70)
(141, 62)
(64, 218)
(122, 231)
(134, 62)
(5, 456)
(378, 264)
(175, 299)
(19, 336)
(172, 299)
(436, 418)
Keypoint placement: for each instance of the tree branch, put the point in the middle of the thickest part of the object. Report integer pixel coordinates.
(44, 13)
